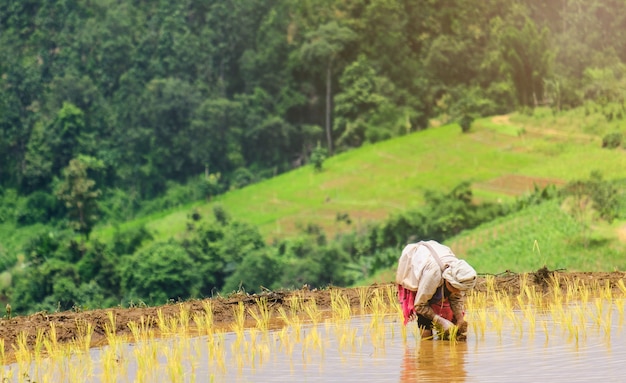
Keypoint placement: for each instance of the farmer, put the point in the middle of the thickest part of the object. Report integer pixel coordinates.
(432, 283)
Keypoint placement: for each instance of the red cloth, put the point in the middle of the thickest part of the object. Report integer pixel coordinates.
(443, 309)
(407, 301)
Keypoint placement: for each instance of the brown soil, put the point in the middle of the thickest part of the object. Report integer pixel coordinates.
(69, 324)
(515, 184)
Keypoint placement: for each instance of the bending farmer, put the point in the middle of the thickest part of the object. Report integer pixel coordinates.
(432, 283)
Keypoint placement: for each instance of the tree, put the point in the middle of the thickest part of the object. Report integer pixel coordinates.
(78, 192)
(216, 135)
(364, 110)
(160, 272)
(468, 105)
(258, 268)
(324, 46)
(318, 156)
(527, 59)
(65, 135)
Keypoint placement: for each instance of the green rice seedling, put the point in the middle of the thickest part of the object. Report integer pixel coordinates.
(555, 286)
(377, 304)
(340, 306)
(296, 303)
(239, 323)
(3, 359)
(523, 281)
(183, 319)
(140, 330)
(261, 315)
(207, 306)
(584, 295)
(606, 293)
(621, 286)
(314, 314)
(85, 332)
(282, 315)
(403, 333)
(391, 292)
(39, 345)
(204, 320)
(51, 344)
(162, 323)
(363, 293)
(452, 335)
(293, 321)
(599, 310)
(109, 328)
(490, 281)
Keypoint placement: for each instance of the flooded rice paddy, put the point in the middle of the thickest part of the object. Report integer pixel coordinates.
(374, 348)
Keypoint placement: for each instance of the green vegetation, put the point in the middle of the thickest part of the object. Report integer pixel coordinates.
(391, 176)
(248, 144)
(542, 235)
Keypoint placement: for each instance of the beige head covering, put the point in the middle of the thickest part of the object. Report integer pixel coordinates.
(460, 275)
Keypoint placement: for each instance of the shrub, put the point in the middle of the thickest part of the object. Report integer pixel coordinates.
(39, 207)
(318, 156)
(612, 140)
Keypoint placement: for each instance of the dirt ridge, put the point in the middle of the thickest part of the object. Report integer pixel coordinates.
(69, 324)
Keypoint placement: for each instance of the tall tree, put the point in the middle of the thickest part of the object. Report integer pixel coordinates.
(78, 192)
(527, 58)
(323, 46)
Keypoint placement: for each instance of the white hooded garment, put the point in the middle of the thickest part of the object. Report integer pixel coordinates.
(419, 271)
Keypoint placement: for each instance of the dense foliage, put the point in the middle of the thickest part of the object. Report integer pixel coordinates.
(110, 109)
(222, 255)
(162, 92)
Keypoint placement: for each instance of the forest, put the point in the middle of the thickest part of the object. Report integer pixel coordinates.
(114, 109)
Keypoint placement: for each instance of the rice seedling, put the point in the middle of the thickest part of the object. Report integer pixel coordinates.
(621, 286)
(22, 354)
(363, 293)
(239, 322)
(261, 314)
(253, 343)
(314, 314)
(183, 320)
(340, 306)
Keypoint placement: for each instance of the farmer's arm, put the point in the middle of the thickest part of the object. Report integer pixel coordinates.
(457, 305)
(427, 287)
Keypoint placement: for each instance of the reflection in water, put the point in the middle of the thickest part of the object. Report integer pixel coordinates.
(434, 361)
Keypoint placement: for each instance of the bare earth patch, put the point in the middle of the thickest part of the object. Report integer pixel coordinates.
(514, 184)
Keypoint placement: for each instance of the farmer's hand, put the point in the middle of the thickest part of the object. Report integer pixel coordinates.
(445, 324)
(462, 331)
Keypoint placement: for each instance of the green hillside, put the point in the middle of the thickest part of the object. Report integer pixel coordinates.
(502, 156)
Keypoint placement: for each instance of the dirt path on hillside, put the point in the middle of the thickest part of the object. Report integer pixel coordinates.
(546, 132)
(68, 325)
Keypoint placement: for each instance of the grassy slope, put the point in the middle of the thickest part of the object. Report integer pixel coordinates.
(539, 236)
(374, 181)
